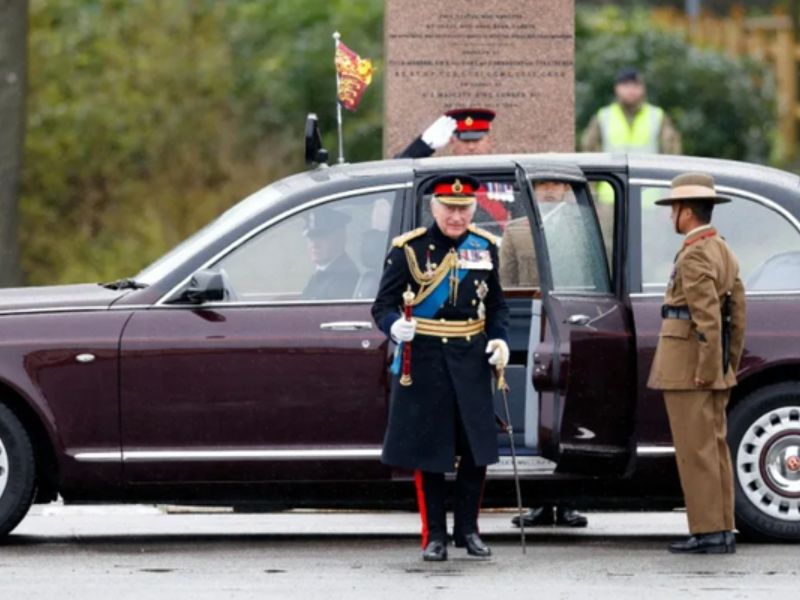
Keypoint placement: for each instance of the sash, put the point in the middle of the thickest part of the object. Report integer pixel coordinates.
(430, 305)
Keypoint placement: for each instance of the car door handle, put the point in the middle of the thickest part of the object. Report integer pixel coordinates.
(346, 326)
(581, 320)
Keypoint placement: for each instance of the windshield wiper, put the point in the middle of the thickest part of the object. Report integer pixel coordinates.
(124, 284)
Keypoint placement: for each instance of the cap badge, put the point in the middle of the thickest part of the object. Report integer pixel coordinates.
(468, 121)
(457, 186)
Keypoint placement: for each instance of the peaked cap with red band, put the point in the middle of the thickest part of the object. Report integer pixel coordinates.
(455, 190)
(471, 123)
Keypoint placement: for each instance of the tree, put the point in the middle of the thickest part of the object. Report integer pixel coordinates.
(13, 70)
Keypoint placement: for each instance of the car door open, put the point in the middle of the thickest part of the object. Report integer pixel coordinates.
(584, 362)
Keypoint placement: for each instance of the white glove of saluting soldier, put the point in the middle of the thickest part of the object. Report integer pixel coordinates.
(403, 330)
(499, 353)
(438, 135)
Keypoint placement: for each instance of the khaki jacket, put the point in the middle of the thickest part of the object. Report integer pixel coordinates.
(705, 270)
(517, 256)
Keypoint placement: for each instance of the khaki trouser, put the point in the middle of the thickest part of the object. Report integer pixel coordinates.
(698, 423)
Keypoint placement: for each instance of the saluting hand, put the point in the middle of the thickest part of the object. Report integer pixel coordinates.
(439, 133)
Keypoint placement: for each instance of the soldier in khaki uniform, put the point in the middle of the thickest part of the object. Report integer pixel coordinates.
(698, 353)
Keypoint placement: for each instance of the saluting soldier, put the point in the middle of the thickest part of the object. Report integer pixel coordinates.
(460, 319)
(698, 352)
(465, 130)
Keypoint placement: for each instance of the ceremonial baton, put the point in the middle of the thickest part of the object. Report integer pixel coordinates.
(405, 377)
(501, 385)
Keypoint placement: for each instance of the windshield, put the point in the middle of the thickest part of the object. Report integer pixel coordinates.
(228, 221)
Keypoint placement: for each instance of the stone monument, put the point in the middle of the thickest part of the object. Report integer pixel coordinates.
(513, 56)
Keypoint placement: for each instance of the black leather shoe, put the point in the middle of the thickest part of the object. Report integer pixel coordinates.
(536, 517)
(435, 551)
(730, 542)
(474, 545)
(569, 517)
(720, 542)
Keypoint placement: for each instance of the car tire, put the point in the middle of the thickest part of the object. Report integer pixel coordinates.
(17, 471)
(764, 438)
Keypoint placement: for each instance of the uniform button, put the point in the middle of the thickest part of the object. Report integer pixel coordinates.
(432, 247)
(441, 320)
(444, 340)
(469, 337)
(474, 302)
(476, 282)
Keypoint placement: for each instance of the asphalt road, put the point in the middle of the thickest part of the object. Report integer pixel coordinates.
(112, 553)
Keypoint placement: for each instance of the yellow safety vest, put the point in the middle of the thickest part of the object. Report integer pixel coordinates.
(619, 136)
(642, 135)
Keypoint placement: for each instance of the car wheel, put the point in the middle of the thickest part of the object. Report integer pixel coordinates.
(17, 471)
(764, 437)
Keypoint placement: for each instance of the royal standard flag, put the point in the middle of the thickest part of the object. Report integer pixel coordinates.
(354, 74)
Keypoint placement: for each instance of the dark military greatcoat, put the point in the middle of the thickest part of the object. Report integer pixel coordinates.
(449, 404)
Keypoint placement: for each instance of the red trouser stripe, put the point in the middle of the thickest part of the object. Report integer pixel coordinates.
(423, 509)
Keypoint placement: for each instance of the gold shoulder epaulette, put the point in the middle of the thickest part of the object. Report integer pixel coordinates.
(483, 233)
(402, 240)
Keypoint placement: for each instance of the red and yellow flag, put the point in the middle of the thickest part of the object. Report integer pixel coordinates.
(354, 74)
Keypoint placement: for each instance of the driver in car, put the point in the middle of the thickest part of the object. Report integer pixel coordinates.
(335, 275)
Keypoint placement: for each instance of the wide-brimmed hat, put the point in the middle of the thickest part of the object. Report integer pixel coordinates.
(693, 187)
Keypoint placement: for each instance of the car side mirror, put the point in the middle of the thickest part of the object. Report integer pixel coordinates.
(205, 286)
(315, 153)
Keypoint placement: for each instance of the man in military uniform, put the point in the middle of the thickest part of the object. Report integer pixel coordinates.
(465, 130)
(459, 317)
(698, 353)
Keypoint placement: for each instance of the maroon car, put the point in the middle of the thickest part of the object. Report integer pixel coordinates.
(213, 377)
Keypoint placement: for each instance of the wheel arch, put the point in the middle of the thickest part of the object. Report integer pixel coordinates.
(43, 447)
(777, 373)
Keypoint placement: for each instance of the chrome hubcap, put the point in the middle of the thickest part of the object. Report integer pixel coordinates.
(3, 468)
(768, 463)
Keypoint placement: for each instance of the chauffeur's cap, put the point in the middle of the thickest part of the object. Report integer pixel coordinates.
(455, 190)
(693, 187)
(323, 220)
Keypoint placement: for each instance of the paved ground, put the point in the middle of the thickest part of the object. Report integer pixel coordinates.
(114, 553)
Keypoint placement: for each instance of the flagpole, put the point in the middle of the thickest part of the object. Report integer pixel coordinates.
(336, 38)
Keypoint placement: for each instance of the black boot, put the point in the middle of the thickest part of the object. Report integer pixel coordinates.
(720, 542)
(536, 517)
(474, 545)
(569, 517)
(435, 551)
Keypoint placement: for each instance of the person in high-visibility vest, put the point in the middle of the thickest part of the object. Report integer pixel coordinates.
(630, 124)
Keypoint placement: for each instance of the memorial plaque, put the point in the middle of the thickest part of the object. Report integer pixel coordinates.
(513, 56)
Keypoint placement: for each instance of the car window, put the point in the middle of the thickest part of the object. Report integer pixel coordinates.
(500, 211)
(333, 251)
(766, 243)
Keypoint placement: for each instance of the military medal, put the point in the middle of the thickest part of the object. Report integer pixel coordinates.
(481, 292)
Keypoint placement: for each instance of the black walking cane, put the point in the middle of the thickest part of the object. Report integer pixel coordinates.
(503, 387)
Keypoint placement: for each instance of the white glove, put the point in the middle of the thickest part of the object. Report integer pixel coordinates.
(438, 135)
(499, 353)
(403, 330)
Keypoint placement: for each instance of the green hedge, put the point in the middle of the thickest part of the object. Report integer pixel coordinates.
(723, 107)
